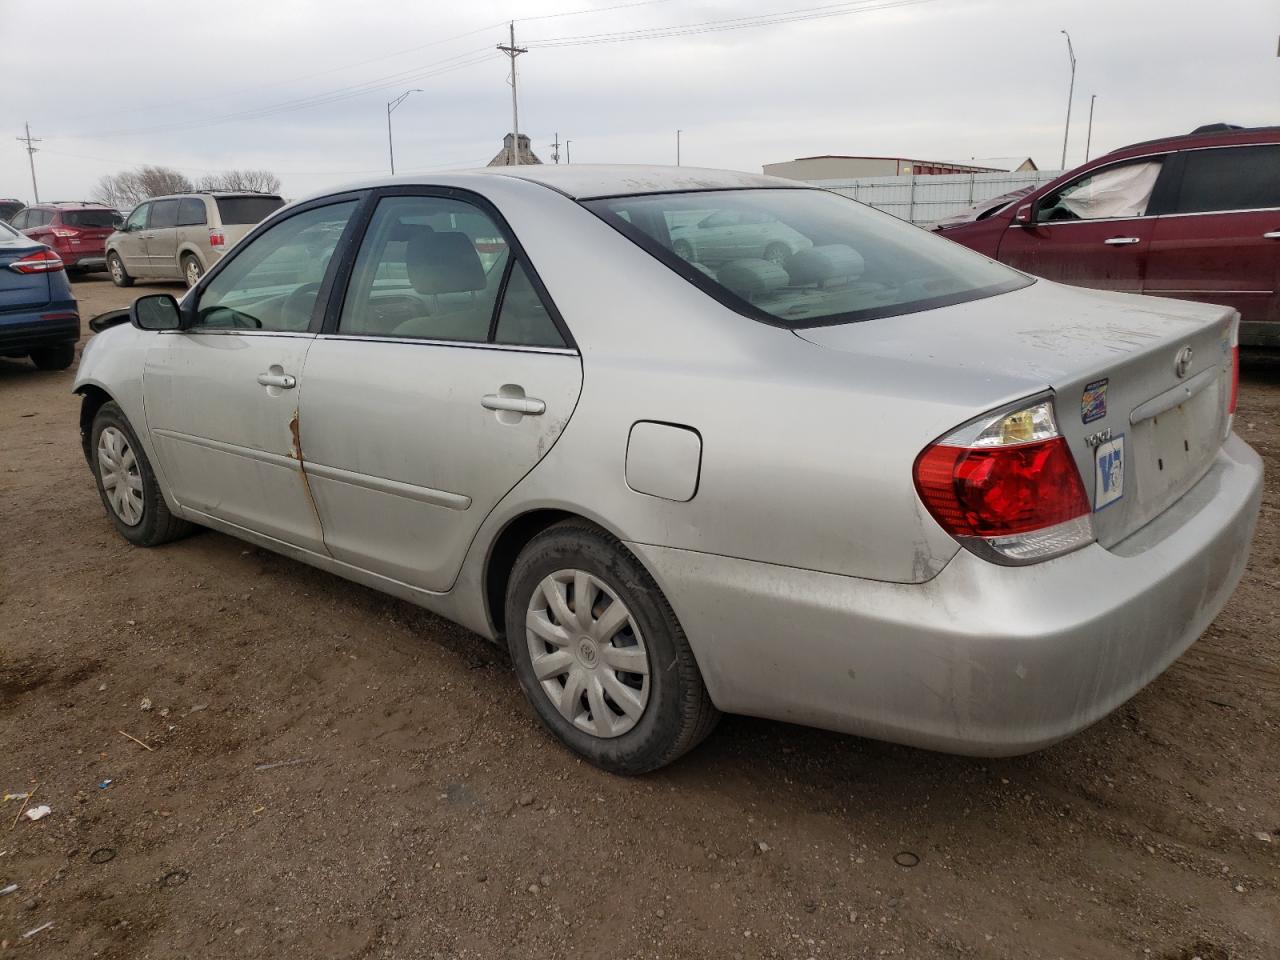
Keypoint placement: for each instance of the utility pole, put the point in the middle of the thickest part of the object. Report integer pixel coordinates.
(677, 148)
(1089, 136)
(391, 105)
(512, 51)
(1071, 90)
(555, 149)
(31, 157)
(566, 151)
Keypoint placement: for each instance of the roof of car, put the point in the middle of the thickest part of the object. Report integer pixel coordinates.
(1208, 135)
(592, 181)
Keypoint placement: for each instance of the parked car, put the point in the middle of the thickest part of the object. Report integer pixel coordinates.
(9, 207)
(888, 486)
(182, 236)
(1194, 217)
(980, 210)
(723, 235)
(77, 231)
(38, 315)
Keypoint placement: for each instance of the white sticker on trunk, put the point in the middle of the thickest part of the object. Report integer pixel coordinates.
(1108, 473)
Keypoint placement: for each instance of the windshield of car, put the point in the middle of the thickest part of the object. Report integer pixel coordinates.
(91, 218)
(802, 257)
(242, 210)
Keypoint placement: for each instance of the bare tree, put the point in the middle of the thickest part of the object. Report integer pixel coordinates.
(263, 181)
(130, 187)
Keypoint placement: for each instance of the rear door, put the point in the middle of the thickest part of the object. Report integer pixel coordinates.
(240, 214)
(1094, 231)
(162, 239)
(1220, 240)
(443, 377)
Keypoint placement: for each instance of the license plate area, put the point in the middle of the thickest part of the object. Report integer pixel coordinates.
(1170, 452)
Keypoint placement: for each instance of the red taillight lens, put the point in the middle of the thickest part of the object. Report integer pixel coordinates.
(1001, 491)
(42, 261)
(64, 232)
(1235, 378)
(217, 238)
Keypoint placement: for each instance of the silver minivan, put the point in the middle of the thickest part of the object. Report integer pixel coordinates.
(182, 236)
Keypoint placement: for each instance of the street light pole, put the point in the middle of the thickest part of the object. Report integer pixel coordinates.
(391, 105)
(677, 148)
(567, 159)
(1089, 136)
(1071, 90)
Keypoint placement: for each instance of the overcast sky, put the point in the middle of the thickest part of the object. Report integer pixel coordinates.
(205, 86)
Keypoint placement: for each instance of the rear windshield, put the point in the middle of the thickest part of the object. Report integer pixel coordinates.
(92, 218)
(802, 257)
(246, 209)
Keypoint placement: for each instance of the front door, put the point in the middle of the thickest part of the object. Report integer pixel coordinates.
(131, 243)
(1220, 240)
(221, 397)
(1093, 232)
(442, 381)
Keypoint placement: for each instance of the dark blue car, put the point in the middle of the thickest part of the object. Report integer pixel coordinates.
(38, 315)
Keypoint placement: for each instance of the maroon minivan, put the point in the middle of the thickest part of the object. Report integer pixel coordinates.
(1196, 217)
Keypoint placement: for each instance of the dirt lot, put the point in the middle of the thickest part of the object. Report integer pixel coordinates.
(424, 813)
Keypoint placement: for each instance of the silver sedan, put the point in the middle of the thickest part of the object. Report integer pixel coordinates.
(873, 482)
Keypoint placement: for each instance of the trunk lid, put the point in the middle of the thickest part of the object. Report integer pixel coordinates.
(20, 290)
(1142, 426)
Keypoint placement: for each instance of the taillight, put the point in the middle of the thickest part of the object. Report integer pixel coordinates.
(1007, 487)
(42, 261)
(65, 233)
(217, 238)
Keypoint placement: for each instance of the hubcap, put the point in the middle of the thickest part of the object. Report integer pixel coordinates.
(587, 653)
(121, 477)
(193, 273)
(117, 271)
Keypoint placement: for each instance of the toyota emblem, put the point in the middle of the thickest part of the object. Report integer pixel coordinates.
(1182, 362)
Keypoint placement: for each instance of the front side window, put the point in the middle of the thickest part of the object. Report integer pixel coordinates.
(138, 219)
(272, 282)
(191, 212)
(1230, 178)
(433, 268)
(1121, 191)
(803, 257)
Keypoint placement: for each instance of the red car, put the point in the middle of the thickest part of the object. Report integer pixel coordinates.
(77, 231)
(1196, 217)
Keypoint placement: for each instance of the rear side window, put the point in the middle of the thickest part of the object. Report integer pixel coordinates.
(19, 220)
(1230, 178)
(803, 257)
(243, 210)
(191, 212)
(92, 218)
(164, 213)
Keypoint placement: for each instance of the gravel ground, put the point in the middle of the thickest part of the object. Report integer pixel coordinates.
(418, 810)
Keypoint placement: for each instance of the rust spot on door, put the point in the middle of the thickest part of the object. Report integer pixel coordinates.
(295, 452)
(295, 449)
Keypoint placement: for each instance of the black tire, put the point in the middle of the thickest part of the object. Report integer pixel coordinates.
(115, 267)
(777, 253)
(191, 265)
(157, 525)
(54, 358)
(678, 715)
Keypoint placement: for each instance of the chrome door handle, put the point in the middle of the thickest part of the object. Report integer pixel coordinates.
(1122, 241)
(281, 380)
(1273, 235)
(528, 406)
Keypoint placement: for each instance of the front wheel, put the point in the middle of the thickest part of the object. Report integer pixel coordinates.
(127, 484)
(600, 654)
(115, 266)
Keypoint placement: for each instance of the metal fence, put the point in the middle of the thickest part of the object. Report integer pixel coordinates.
(928, 197)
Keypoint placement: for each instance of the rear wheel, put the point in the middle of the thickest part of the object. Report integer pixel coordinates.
(54, 358)
(192, 271)
(127, 484)
(115, 266)
(600, 654)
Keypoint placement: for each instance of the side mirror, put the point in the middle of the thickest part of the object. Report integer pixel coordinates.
(1025, 213)
(159, 311)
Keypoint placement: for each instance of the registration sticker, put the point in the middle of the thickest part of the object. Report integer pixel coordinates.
(1093, 403)
(1108, 473)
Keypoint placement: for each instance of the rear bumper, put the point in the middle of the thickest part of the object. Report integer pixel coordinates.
(21, 333)
(89, 261)
(1259, 333)
(983, 659)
